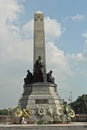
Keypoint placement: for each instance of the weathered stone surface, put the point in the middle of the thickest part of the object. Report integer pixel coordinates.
(45, 95)
(39, 38)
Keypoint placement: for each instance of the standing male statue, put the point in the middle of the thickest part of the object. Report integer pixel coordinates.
(39, 71)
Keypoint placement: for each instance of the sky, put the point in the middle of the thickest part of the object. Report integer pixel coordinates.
(65, 24)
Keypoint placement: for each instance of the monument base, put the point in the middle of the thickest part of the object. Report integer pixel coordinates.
(43, 100)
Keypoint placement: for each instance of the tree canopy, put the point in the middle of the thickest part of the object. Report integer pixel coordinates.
(80, 105)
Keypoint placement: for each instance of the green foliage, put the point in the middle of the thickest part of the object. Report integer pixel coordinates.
(80, 105)
(6, 111)
(41, 121)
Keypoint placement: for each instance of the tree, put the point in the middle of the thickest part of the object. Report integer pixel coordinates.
(80, 105)
(4, 112)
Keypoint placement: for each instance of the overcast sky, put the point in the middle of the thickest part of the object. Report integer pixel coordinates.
(65, 39)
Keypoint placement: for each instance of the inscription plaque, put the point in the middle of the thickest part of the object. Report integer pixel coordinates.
(41, 101)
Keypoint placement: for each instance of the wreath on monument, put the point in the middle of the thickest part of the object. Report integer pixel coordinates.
(70, 112)
(24, 113)
(18, 112)
(59, 111)
(41, 111)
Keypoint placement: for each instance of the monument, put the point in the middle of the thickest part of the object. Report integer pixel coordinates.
(40, 91)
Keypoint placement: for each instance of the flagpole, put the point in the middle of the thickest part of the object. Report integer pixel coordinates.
(71, 96)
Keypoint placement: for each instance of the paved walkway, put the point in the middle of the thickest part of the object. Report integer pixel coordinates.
(70, 124)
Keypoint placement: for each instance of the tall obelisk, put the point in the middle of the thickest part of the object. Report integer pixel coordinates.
(39, 38)
(38, 95)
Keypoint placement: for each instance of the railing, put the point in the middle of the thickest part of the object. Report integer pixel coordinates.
(4, 119)
(81, 118)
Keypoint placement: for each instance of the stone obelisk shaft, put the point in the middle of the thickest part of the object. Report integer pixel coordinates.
(39, 38)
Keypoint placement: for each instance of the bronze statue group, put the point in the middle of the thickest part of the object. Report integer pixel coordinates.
(39, 74)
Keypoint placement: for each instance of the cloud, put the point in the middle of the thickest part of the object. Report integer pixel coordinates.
(53, 29)
(78, 17)
(58, 63)
(10, 50)
(9, 10)
(28, 29)
(84, 35)
(78, 57)
(78, 61)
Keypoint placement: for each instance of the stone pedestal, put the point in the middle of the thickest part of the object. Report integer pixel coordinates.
(43, 95)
